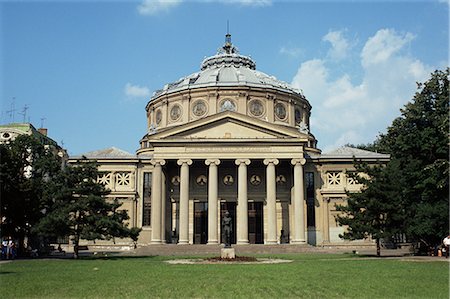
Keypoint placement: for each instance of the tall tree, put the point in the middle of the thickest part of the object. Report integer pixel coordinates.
(413, 189)
(26, 166)
(76, 206)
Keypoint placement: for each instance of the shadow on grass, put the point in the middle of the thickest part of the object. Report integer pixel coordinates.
(6, 272)
(116, 257)
(390, 256)
(91, 256)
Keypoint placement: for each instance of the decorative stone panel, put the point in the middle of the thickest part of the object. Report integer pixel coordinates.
(106, 179)
(334, 179)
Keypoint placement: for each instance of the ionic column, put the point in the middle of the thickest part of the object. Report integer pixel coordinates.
(271, 194)
(156, 201)
(184, 201)
(213, 191)
(242, 204)
(326, 222)
(299, 198)
(163, 207)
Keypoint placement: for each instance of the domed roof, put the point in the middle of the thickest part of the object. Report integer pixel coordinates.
(227, 68)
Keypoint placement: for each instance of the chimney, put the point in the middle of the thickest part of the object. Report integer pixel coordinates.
(43, 131)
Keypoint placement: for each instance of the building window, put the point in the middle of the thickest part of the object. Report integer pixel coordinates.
(199, 108)
(280, 111)
(147, 199)
(175, 112)
(158, 117)
(298, 116)
(310, 198)
(227, 105)
(256, 108)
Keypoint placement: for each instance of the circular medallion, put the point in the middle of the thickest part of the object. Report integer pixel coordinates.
(255, 180)
(175, 180)
(227, 105)
(280, 179)
(158, 117)
(256, 108)
(199, 108)
(228, 180)
(280, 111)
(298, 116)
(201, 180)
(175, 112)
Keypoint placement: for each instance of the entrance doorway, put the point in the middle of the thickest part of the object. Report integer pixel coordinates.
(231, 208)
(200, 222)
(255, 223)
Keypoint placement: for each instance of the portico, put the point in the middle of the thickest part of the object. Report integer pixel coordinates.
(228, 188)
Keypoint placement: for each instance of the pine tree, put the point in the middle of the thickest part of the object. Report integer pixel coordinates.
(77, 207)
(375, 211)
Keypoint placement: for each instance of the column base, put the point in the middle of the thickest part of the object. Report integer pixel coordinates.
(270, 242)
(213, 242)
(242, 242)
(183, 242)
(298, 242)
(155, 242)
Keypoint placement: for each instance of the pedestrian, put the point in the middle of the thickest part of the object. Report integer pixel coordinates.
(4, 248)
(446, 242)
(13, 250)
(9, 249)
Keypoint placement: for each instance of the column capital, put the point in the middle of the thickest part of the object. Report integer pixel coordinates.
(184, 161)
(240, 161)
(212, 161)
(158, 161)
(271, 161)
(326, 199)
(302, 161)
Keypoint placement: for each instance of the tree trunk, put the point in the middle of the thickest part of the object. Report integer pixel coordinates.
(378, 247)
(76, 242)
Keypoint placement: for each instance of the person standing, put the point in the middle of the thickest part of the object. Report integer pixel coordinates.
(4, 248)
(446, 242)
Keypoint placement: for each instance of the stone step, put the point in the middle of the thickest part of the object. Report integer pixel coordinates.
(173, 249)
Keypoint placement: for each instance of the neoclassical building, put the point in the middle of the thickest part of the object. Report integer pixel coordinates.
(230, 138)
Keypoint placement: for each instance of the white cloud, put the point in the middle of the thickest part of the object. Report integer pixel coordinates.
(136, 91)
(348, 112)
(339, 45)
(249, 2)
(153, 7)
(254, 3)
(383, 45)
(291, 52)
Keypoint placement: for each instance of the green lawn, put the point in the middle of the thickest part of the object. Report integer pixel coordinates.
(309, 276)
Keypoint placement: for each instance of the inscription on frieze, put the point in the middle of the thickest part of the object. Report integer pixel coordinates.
(228, 149)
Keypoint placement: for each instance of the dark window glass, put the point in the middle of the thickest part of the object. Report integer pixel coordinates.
(147, 199)
(310, 212)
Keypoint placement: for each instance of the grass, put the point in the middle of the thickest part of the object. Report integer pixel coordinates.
(309, 276)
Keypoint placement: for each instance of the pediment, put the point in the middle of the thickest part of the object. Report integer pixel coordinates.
(229, 125)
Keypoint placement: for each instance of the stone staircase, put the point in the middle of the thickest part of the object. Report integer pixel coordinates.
(173, 249)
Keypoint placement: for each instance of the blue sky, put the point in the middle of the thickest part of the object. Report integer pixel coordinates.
(89, 68)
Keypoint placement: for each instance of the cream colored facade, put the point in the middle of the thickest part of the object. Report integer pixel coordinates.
(230, 138)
